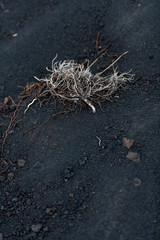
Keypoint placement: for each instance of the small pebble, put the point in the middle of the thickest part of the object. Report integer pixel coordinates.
(36, 227)
(158, 79)
(14, 199)
(54, 215)
(137, 182)
(128, 143)
(21, 162)
(133, 156)
(71, 195)
(1, 236)
(10, 175)
(45, 229)
(48, 211)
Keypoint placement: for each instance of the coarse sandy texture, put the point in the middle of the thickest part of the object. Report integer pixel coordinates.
(70, 178)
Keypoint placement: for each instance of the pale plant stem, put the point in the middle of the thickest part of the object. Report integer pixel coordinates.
(112, 63)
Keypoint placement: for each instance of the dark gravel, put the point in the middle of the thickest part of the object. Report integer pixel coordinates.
(60, 183)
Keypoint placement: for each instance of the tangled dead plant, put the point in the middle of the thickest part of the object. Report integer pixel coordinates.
(70, 82)
(73, 82)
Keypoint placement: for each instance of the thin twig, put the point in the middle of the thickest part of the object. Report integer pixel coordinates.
(136, 79)
(30, 105)
(112, 63)
(10, 124)
(3, 171)
(29, 130)
(99, 141)
(92, 63)
(97, 39)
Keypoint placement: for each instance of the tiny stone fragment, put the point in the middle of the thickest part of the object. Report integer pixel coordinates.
(10, 175)
(133, 156)
(36, 227)
(71, 195)
(21, 162)
(45, 229)
(14, 34)
(1, 236)
(137, 182)
(158, 79)
(48, 211)
(128, 143)
(83, 161)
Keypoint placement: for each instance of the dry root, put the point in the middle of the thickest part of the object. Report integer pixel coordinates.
(75, 83)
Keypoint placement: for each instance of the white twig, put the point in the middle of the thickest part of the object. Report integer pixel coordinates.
(30, 105)
(99, 143)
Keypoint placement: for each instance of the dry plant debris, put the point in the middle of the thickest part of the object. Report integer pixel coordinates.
(69, 82)
(73, 82)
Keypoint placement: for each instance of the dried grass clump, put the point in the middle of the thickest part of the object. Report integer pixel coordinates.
(74, 82)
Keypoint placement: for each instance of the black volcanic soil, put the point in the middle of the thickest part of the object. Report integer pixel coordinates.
(60, 182)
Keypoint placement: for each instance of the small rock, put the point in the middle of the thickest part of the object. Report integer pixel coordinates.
(54, 215)
(133, 156)
(1, 236)
(21, 162)
(48, 211)
(36, 227)
(137, 182)
(2, 178)
(45, 229)
(158, 79)
(82, 162)
(14, 199)
(128, 143)
(10, 175)
(71, 195)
